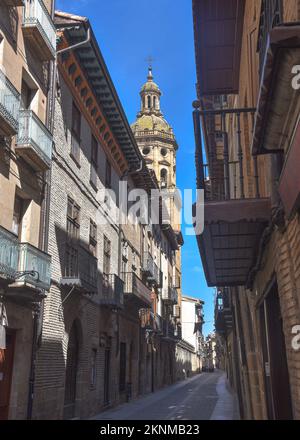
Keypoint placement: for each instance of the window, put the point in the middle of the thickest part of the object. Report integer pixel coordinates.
(26, 96)
(93, 368)
(134, 261)
(122, 380)
(76, 132)
(163, 178)
(164, 152)
(93, 238)
(124, 268)
(108, 174)
(146, 151)
(219, 136)
(73, 228)
(106, 255)
(94, 161)
(18, 216)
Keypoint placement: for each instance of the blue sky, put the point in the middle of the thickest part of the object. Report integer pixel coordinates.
(128, 32)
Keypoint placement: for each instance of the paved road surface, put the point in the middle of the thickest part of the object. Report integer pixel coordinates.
(203, 397)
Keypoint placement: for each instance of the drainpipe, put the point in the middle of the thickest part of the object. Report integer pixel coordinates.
(36, 315)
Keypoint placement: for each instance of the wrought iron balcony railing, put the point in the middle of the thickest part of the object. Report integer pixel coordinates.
(170, 294)
(9, 254)
(112, 292)
(34, 141)
(151, 321)
(150, 269)
(169, 330)
(39, 28)
(23, 263)
(223, 311)
(271, 16)
(135, 289)
(81, 269)
(9, 107)
(231, 173)
(32, 259)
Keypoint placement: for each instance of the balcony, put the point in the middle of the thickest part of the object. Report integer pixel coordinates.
(199, 312)
(223, 312)
(32, 259)
(9, 256)
(151, 321)
(34, 142)
(38, 30)
(24, 269)
(170, 295)
(81, 270)
(9, 107)
(14, 3)
(271, 16)
(176, 311)
(150, 269)
(235, 213)
(135, 290)
(169, 331)
(112, 292)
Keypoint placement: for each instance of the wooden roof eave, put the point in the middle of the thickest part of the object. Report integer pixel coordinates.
(223, 78)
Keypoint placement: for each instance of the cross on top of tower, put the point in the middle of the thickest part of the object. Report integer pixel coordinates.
(150, 60)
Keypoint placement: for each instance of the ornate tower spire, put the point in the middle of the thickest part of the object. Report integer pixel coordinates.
(150, 96)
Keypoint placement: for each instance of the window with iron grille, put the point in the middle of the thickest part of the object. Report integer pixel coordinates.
(73, 230)
(76, 133)
(94, 161)
(93, 238)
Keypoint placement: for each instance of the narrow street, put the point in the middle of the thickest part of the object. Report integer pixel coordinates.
(203, 397)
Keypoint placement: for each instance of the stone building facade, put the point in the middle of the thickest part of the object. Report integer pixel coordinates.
(90, 305)
(104, 337)
(27, 53)
(250, 246)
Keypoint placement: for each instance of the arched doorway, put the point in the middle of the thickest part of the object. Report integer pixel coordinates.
(71, 373)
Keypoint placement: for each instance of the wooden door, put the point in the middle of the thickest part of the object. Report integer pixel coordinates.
(279, 374)
(6, 369)
(71, 374)
(277, 382)
(106, 376)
